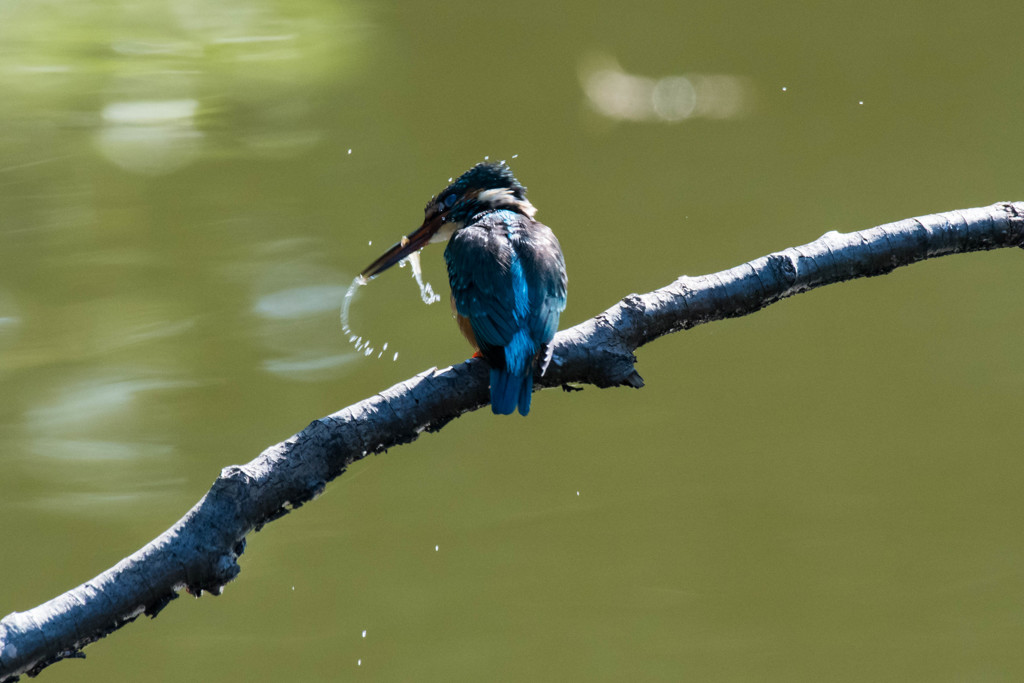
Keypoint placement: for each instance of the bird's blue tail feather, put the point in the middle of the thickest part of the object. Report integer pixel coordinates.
(509, 391)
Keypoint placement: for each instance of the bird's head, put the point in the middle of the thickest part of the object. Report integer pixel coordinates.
(485, 187)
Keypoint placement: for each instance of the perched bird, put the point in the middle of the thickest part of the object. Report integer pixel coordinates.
(506, 271)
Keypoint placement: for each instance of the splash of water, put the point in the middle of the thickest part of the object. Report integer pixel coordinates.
(426, 291)
(363, 345)
(346, 305)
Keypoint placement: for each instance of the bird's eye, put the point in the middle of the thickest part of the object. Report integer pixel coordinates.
(449, 201)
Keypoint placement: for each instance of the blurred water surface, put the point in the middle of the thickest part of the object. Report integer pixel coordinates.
(826, 490)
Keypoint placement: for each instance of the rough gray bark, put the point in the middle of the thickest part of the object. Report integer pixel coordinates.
(200, 552)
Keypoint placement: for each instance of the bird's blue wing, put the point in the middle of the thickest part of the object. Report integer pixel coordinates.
(507, 276)
(479, 262)
(542, 258)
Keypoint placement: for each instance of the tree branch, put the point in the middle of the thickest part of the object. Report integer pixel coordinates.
(200, 552)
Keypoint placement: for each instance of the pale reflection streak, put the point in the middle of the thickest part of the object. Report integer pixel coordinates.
(81, 406)
(150, 136)
(90, 439)
(293, 322)
(298, 302)
(10, 323)
(617, 95)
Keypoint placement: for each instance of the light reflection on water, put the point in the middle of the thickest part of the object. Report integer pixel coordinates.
(293, 304)
(291, 323)
(10, 322)
(309, 368)
(298, 302)
(96, 450)
(98, 341)
(94, 442)
(150, 136)
(80, 406)
(618, 95)
(101, 504)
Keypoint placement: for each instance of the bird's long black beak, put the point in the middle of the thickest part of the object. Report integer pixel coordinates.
(415, 241)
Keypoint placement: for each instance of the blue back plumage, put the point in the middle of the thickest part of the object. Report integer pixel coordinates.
(508, 279)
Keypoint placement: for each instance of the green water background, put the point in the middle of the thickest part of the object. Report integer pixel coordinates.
(828, 490)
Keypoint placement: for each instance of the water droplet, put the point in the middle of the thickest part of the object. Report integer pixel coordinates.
(426, 291)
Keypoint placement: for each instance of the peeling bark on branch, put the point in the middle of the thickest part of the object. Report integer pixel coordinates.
(200, 552)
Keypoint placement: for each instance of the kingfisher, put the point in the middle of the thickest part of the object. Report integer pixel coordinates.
(506, 271)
